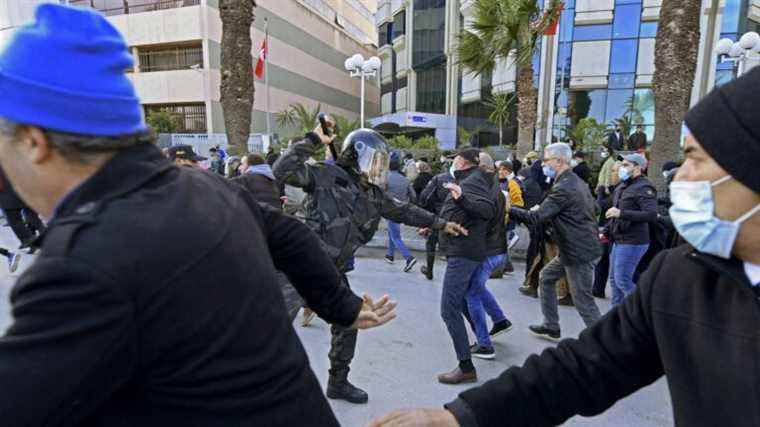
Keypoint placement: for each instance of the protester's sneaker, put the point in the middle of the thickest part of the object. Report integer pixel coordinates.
(13, 261)
(513, 240)
(410, 263)
(389, 259)
(427, 272)
(500, 327)
(483, 352)
(542, 331)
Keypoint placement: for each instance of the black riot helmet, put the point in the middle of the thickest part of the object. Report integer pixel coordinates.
(367, 153)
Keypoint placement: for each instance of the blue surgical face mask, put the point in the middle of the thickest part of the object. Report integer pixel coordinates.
(549, 172)
(693, 214)
(624, 174)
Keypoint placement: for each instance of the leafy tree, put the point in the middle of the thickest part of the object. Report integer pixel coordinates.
(161, 121)
(501, 106)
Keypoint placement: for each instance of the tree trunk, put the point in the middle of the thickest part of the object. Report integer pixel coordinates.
(675, 65)
(501, 135)
(237, 72)
(527, 101)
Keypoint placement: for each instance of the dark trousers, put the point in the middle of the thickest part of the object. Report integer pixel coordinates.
(342, 348)
(456, 282)
(602, 272)
(19, 227)
(534, 250)
(430, 244)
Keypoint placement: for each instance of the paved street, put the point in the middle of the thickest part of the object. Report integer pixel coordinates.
(397, 364)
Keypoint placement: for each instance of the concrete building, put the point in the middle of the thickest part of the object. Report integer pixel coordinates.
(600, 62)
(177, 50)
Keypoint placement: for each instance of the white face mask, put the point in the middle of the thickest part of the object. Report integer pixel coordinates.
(693, 214)
(573, 163)
(511, 176)
(452, 169)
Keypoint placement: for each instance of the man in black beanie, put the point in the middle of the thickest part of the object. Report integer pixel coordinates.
(693, 317)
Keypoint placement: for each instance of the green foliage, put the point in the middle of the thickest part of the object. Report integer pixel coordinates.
(401, 142)
(299, 116)
(589, 134)
(345, 126)
(426, 143)
(464, 136)
(161, 122)
(501, 105)
(501, 26)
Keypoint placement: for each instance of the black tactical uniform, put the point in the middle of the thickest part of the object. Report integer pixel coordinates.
(344, 209)
(432, 198)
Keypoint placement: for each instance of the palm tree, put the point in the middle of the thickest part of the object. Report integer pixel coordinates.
(501, 106)
(237, 71)
(299, 116)
(345, 126)
(499, 28)
(675, 65)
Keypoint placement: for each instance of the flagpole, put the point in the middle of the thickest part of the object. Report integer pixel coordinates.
(266, 75)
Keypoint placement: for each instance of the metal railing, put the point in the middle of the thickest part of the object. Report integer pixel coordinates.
(122, 7)
(187, 118)
(178, 58)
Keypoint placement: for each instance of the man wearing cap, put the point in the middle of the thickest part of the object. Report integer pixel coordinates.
(693, 317)
(471, 203)
(634, 208)
(184, 155)
(140, 310)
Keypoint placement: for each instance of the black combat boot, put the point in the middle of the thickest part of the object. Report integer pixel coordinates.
(338, 387)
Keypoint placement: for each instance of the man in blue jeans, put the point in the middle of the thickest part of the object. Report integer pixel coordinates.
(480, 301)
(470, 202)
(400, 189)
(634, 207)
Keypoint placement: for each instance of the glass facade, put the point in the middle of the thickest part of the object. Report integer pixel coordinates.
(429, 32)
(431, 88)
(620, 101)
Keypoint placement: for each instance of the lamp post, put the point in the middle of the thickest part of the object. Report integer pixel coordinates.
(748, 47)
(358, 67)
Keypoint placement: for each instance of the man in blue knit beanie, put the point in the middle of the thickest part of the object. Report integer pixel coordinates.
(154, 300)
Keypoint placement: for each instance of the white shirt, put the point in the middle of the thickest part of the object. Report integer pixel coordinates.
(753, 273)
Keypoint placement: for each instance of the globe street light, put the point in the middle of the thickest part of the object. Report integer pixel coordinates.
(748, 47)
(358, 67)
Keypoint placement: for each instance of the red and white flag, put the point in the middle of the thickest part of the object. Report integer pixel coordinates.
(259, 71)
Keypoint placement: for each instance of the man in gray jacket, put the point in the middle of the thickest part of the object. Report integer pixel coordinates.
(401, 190)
(569, 209)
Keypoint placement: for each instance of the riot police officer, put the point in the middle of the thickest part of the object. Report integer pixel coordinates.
(345, 202)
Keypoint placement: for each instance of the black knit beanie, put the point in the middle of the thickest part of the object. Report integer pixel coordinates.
(726, 123)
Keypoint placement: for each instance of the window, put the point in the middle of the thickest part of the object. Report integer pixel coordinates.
(626, 23)
(618, 101)
(431, 89)
(648, 29)
(187, 118)
(566, 25)
(593, 32)
(622, 81)
(623, 56)
(399, 24)
(170, 58)
(731, 16)
(564, 60)
(401, 83)
(727, 65)
(386, 88)
(429, 32)
(643, 106)
(383, 34)
(587, 103)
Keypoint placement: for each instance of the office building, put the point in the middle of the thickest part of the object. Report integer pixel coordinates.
(177, 49)
(600, 65)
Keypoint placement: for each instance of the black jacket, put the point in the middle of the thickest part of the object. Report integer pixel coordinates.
(570, 208)
(473, 210)
(419, 184)
(693, 318)
(583, 171)
(264, 189)
(615, 142)
(434, 194)
(637, 201)
(342, 209)
(496, 243)
(154, 302)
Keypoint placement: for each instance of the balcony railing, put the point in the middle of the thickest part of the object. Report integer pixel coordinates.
(121, 7)
(180, 58)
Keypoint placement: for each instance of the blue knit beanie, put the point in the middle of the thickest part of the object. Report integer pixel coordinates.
(66, 72)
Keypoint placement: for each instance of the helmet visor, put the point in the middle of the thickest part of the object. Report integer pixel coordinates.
(373, 163)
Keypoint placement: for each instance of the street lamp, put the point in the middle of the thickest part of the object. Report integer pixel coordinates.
(358, 67)
(748, 47)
